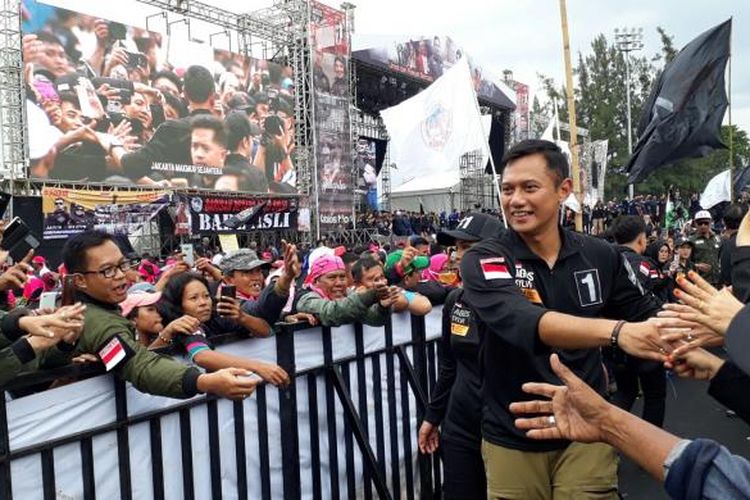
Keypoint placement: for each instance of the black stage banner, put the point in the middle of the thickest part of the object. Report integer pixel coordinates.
(208, 214)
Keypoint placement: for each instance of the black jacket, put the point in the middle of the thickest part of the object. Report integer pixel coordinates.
(510, 288)
(729, 387)
(456, 401)
(169, 144)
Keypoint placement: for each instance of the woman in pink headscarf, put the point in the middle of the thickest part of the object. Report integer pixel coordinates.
(442, 270)
(326, 296)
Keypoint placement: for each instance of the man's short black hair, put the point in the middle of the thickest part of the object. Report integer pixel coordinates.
(212, 123)
(556, 160)
(74, 251)
(176, 103)
(169, 75)
(199, 84)
(361, 266)
(733, 215)
(70, 98)
(349, 258)
(418, 241)
(47, 37)
(627, 228)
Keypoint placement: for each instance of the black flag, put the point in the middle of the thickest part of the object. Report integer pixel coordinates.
(683, 115)
(245, 217)
(741, 179)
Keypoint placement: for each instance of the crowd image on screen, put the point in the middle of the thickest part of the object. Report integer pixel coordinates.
(107, 105)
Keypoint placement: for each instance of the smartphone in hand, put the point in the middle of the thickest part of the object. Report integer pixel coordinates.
(188, 253)
(229, 291)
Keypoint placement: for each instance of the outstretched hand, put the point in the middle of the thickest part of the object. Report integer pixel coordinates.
(573, 411)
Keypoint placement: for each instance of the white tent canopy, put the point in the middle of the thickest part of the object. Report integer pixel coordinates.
(435, 192)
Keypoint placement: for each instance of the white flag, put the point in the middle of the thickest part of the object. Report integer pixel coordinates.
(572, 203)
(431, 130)
(718, 189)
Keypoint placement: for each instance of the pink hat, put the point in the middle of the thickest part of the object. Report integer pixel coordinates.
(323, 265)
(437, 262)
(38, 260)
(33, 288)
(138, 299)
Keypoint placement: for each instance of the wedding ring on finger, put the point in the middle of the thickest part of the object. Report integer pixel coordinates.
(551, 421)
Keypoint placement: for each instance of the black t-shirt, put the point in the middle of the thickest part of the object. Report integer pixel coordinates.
(509, 288)
(457, 400)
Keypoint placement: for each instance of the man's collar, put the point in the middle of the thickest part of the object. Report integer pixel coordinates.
(569, 245)
(200, 111)
(88, 299)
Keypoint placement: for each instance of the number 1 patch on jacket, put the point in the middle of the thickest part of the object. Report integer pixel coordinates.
(589, 287)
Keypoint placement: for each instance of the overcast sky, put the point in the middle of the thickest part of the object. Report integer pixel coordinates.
(525, 37)
(521, 35)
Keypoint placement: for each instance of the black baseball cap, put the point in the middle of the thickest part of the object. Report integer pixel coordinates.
(473, 227)
(241, 102)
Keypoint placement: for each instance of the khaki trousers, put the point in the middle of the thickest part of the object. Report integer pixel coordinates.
(580, 471)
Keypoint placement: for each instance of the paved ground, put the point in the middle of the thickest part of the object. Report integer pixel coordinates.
(691, 413)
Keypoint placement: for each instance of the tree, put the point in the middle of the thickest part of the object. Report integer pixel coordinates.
(667, 45)
(600, 97)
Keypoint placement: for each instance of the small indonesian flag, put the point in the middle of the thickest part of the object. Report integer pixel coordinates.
(495, 269)
(645, 269)
(112, 353)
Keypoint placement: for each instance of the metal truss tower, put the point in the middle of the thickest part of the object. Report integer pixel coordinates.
(12, 109)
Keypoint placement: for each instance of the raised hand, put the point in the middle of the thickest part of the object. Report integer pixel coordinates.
(232, 383)
(694, 363)
(711, 307)
(229, 308)
(57, 325)
(272, 373)
(573, 411)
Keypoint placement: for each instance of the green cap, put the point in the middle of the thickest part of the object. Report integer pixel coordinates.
(417, 264)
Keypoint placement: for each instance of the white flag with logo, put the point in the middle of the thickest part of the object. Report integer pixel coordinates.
(718, 189)
(431, 130)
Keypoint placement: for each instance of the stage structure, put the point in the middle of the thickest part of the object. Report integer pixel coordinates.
(279, 33)
(389, 74)
(13, 134)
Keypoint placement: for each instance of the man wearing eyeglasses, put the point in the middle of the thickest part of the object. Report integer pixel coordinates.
(99, 267)
(707, 245)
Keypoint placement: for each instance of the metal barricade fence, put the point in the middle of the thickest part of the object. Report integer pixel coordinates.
(345, 428)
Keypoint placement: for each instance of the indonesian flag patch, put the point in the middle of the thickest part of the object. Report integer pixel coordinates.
(495, 269)
(645, 269)
(112, 353)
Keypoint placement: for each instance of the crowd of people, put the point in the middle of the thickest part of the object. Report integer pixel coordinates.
(106, 103)
(524, 309)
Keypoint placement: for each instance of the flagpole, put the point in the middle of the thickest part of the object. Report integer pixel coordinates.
(575, 167)
(731, 131)
(488, 152)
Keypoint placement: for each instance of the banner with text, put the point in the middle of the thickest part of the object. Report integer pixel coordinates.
(71, 211)
(332, 100)
(198, 214)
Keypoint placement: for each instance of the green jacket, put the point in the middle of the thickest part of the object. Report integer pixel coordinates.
(16, 354)
(707, 251)
(147, 371)
(362, 308)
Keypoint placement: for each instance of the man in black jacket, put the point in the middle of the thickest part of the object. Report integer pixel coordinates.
(239, 174)
(540, 289)
(170, 143)
(629, 232)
